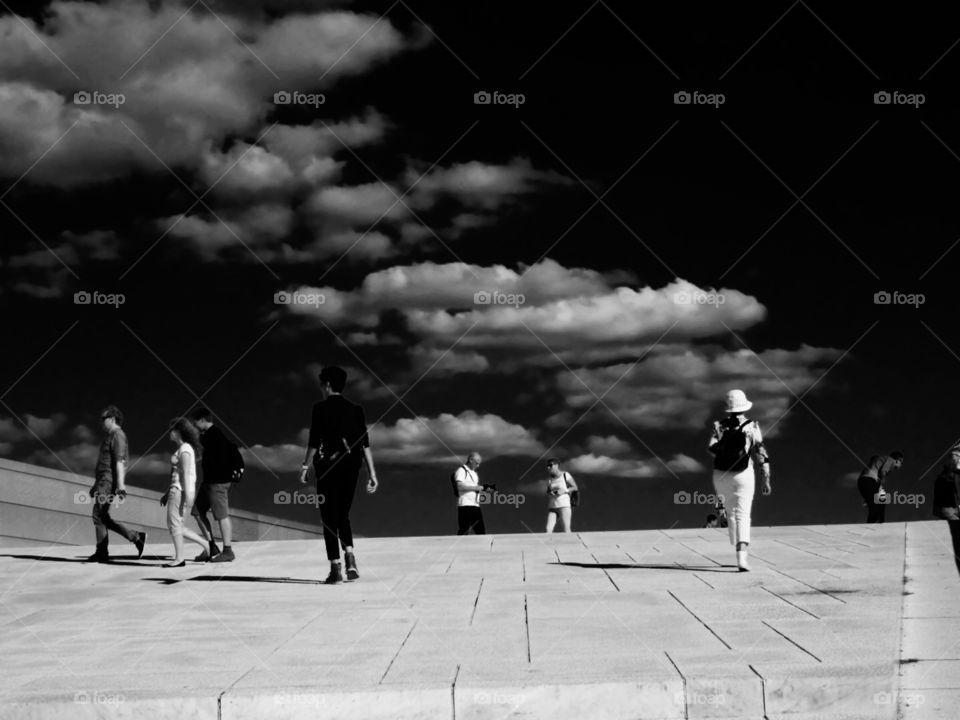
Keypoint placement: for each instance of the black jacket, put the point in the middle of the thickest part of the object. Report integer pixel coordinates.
(217, 454)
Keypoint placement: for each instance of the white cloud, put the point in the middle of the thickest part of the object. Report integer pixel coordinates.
(609, 445)
(592, 464)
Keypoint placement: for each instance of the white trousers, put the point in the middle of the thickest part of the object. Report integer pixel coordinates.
(736, 491)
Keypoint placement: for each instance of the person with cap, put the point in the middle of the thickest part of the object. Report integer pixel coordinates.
(737, 448)
(339, 445)
(870, 484)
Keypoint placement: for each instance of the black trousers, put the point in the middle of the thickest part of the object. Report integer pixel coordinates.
(868, 487)
(955, 536)
(102, 522)
(470, 518)
(338, 485)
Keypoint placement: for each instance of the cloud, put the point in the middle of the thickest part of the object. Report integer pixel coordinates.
(194, 88)
(12, 431)
(609, 445)
(678, 387)
(592, 464)
(448, 438)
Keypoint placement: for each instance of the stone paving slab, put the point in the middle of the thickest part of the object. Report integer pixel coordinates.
(833, 622)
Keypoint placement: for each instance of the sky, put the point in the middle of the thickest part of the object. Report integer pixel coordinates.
(528, 231)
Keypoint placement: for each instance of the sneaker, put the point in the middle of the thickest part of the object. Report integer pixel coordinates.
(335, 577)
(225, 555)
(140, 542)
(182, 563)
(352, 572)
(98, 557)
(202, 557)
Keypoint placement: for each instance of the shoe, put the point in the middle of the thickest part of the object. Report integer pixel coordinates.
(98, 558)
(335, 577)
(182, 563)
(742, 563)
(202, 557)
(225, 555)
(140, 543)
(352, 572)
(214, 550)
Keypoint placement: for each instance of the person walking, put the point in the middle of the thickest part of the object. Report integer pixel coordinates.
(338, 445)
(110, 476)
(219, 471)
(870, 484)
(560, 485)
(946, 499)
(181, 494)
(467, 481)
(738, 450)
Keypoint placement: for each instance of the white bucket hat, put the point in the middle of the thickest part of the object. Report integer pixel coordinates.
(737, 402)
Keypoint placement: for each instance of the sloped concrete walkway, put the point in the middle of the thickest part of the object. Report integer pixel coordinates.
(644, 624)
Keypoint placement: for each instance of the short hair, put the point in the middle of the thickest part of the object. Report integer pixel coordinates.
(202, 413)
(711, 517)
(336, 376)
(112, 411)
(474, 453)
(896, 455)
(553, 461)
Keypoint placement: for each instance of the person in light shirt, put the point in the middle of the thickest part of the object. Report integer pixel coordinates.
(560, 485)
(180, 497)
(469, 515)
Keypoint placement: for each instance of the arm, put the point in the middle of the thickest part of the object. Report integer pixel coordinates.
(762, 459)
(372, 483)
(313, 445)
(189, 464)
(119, 453)
(464, 484)
(571, 483)
(714, 438)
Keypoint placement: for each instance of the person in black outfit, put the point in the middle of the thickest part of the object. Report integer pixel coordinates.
(339, 445)
(212, 495)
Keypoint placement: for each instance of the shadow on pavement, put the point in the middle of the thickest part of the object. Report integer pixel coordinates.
(254, 578)
(629, 566)
(118, 560)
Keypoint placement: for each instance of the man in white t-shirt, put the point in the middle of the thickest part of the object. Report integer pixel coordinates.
(469, 516)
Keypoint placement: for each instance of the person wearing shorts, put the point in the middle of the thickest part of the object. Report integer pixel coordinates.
(559, 486)
(213, 493)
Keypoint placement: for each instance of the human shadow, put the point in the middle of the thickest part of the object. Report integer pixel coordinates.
(650, 566)
(254, 578)
(118, 560)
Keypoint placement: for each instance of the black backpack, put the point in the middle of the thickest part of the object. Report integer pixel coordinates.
(731, 452)
(453, 482)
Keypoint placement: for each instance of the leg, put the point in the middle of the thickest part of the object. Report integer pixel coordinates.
(463, 520)
(565, 516)
(329, 517)
(744, 483)
(478, 527)
(99, 510)
(194, 537)
(723, 487)
(226, 531)
(551, 520)
(954, 526)
(348, 489)
(203, 523)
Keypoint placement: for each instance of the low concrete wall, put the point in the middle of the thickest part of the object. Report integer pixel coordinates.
(40, 505)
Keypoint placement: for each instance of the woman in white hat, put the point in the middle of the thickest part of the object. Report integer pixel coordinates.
(737, 448)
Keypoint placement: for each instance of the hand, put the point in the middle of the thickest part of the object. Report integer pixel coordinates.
(303, 475)
(489, 488)
(163, 500)
(372, 484)
(122, 494)
(766, 489)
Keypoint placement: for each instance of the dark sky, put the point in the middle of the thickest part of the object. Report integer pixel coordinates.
(599, 199)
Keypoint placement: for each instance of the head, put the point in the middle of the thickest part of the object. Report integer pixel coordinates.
(111, 417)
(473, 460)
(897, 458)
(711, 520)
(184, 431)
(202, 418)
(553, 467)
(332, 380)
